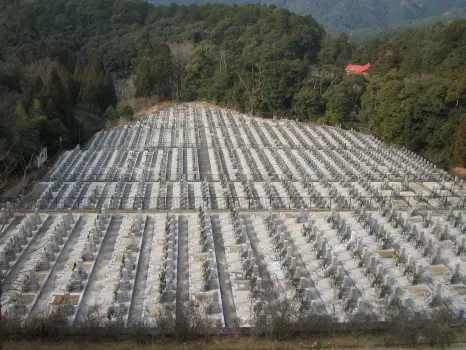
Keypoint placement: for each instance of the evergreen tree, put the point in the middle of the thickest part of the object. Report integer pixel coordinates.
(143, 79)
(459, 153)
(36, 109)
(37, 86)
(90, 84)
(78, 69)
(108, 94)
(58, 106)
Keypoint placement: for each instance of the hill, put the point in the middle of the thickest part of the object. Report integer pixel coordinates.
(61, 63)
(361, 18)
(417, 93)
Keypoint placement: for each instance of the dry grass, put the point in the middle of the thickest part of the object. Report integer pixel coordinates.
(244, 343)
(150, 105)
(144, 105)
(460, 171)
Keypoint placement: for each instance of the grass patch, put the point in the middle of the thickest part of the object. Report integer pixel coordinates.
(226, 342)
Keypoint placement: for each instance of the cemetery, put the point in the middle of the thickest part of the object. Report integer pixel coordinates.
(202, 203)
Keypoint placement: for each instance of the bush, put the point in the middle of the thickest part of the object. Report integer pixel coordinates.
(113, 114)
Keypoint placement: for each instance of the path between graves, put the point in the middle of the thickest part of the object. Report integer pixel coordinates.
(182, 290)
(95, 282)
(228, 304)
(137, 302)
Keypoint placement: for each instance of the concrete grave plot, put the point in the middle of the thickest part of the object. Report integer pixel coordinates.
(159, 163)
(208, 205)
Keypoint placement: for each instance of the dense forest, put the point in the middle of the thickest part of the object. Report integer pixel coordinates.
(363, 18)
(60, 62)
(416, 95)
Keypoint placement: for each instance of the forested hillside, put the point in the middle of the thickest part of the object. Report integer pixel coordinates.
(361, 18)
(417, 93)
(59, 61)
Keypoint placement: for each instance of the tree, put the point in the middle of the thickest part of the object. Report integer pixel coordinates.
(14, 167)
(342, 101)
(36, 109)
(108, 93)
(162, 70)
(143, 79)
(335, 50)
(278, 86)
(277, 310)
(308, 104)
(180, 53)
(92, 79)
(459, 152)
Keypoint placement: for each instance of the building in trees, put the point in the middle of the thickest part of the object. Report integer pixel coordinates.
(358, 69)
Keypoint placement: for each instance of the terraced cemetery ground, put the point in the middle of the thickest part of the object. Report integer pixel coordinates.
(203, 203)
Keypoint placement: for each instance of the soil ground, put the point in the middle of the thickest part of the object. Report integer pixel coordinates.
(460, 172)
(243, 343)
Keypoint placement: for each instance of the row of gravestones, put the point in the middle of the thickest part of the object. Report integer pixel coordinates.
(140, 195)
(405, 262)
(249, 263)
(258, 129)
(364, 259)
(168, 275)
(15, 245)
(184, 199)
(65, 163)
(5, 213)
(89, 252)
(205, 192)
(206, 244)
(295, 197)
(275, 199)
(124, 287)
(287, 252)
(249, 190)
(161, 195)
(223, 173)
(53, 240)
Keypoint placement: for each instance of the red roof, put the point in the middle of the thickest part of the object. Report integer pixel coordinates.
(359, 69)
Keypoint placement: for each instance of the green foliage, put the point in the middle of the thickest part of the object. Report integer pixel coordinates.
(362, 19)
(342, 101)
(335, 50)
(308, 103)
(51, 131)
(416, 96)
(113, 114)
(459, 152)
(253, 58)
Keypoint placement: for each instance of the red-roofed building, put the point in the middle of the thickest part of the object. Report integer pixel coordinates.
(358, 69)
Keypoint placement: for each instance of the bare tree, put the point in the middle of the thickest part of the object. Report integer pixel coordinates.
(14, 168)
(92, 316)
(194, 320)
(7, 165)
(180, 57)
(50, 323)
(442, 326)
(249, 93)
(275, 310)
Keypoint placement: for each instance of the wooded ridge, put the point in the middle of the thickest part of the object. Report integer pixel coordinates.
(59, 61)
